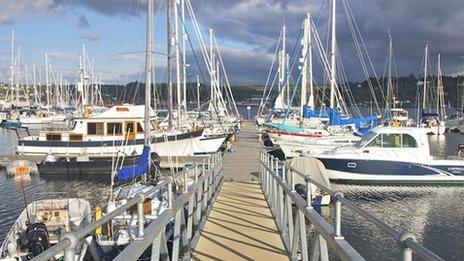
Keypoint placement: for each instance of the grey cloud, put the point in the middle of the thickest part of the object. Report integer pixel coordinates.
(82, 22)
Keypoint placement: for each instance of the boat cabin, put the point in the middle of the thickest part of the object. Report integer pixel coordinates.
(116, 121)
(395, 138)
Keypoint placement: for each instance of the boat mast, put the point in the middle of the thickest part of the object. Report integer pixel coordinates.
(169, 102)
(178, 81)
(17, 77)
(12, 63)
(284, 59)
(424, 98)
(212, 67)
(148, 72)
(47, 82)
(333, 57)
(184, 58)
(440, 99)
(310, 64)
(390, 92)
(198, 93)
(304, 68)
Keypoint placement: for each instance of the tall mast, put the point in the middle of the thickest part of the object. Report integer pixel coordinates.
(333, 56)
(304, 69)
(47, 82)
(198, 93)
(34, 83)
(212, 66)
(390, 92)
(310, 64)
(169, 103)
(178, 77)
(440, 96)
(17, 77)
(148, 72)
(284, 57)
(424, 98)
(184, 58)
(12, 62)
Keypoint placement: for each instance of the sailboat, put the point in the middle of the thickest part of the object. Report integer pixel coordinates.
(455, 123)
(394, 116)
(129, 181)
(433, 119)
(318, 129)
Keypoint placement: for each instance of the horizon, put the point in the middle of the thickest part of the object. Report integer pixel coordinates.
(113, 33)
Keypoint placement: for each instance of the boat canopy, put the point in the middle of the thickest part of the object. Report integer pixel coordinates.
(128, 173)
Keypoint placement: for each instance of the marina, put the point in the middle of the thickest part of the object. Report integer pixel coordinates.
(230, 130)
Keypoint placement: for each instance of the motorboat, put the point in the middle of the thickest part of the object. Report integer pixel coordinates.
(40, 225)
(391, 155)
(118, 130)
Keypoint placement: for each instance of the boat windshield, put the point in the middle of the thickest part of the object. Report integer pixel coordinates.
(366, 139)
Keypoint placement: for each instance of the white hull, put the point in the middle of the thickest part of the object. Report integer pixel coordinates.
(206, 145)
(293, 146)
(346, 177)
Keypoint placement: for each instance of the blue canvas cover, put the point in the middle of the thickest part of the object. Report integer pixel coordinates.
(128, 173)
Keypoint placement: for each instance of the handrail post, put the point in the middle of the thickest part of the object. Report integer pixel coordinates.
(405, 250)
(70, 251)
(309, 193)
(140, 225)
(338, 215)
(185, 181)
(170, 194)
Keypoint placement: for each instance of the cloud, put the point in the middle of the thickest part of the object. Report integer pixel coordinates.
(82, 22)
(62, 55)
(90, 36)
(11, 11)
(256, 23)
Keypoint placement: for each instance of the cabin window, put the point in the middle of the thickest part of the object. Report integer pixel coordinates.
(75, 137)
(54, 136)
(409, 141)
(95, 128)
(114, 127)
(391, 140)
(122, 109)
(139, 128)
(377, 142)
(129, 127)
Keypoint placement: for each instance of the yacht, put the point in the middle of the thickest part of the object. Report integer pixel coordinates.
(40, 225)
(105, 134)
(391, 155)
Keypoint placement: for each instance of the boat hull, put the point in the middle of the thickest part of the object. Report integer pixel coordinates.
(356, 171)
(163, 145)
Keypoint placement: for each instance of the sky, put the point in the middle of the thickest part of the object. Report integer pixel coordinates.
(113, 32)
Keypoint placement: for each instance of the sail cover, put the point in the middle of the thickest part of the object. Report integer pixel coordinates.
(128, 173)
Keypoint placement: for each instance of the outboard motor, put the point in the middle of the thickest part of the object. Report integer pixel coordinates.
(37, 239)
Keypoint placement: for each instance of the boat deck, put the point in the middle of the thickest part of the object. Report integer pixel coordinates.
(240, 225)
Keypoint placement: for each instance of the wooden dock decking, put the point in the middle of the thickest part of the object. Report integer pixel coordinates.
(240, 225)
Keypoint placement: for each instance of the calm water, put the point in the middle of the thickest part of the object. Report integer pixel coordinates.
(434, 214)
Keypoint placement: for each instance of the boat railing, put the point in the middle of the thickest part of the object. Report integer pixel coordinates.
(189, 209)
(277, 180)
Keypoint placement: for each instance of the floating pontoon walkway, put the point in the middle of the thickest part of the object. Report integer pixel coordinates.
(240, 225)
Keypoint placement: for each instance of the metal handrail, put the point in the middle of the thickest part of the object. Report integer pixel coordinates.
(69, 240)
(270, 165)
